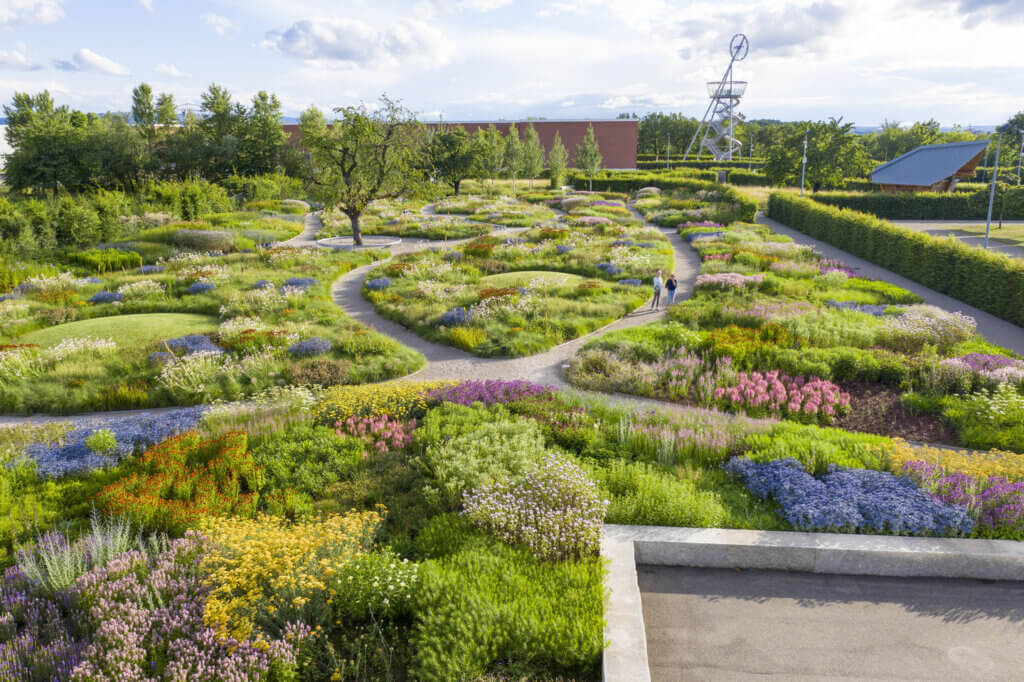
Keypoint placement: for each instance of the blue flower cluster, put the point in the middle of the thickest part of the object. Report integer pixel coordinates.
(454, 255)
(133, 434)
(159, 357)
(609, 268)
(378, 284)
(564, 248)
(263, 284)
(9, 297)
(454, 317)
(92, 280)
(193, 343)
(694, 236)
(149, 269)
(202, 288)
(647, 245)
(869, 308)
(850, 500)
(623, 242)
(310, 347)
(300, 282)
(631, 282)
(105, 297)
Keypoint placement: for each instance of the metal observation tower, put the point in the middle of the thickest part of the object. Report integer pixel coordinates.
(718, 124)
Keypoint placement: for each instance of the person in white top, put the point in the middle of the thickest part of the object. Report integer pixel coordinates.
(657, 291)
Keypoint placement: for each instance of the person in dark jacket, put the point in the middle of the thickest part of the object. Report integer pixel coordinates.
(670, 288)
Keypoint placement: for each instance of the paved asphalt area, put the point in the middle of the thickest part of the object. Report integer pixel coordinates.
(726, 624)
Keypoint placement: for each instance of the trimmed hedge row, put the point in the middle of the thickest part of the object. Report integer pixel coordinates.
(989, 281)
(643, 163)
(106, 260)
(929, 205)
(743, 209)
(747, 178)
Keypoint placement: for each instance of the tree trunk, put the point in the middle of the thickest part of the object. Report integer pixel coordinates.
(357, 236)
(590, 184)
(457, 183)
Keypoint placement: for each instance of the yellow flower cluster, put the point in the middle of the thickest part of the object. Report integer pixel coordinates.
(267, 564)
(977, 464)
(399, 399)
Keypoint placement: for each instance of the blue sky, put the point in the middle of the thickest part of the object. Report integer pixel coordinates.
(958, 61)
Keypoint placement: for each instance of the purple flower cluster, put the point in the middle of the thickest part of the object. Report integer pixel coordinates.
(696, 236)
(310, 347)
(9, 297)
(564, 248)
(201, 288)
(106, 297)
(828, 265)
(454, 255)
(262, 284)
(489, 391)
(605, 202)
(149, 269)
(631, 282)
(850, 500)
(193, 343)
(555, 510)
(454, 317)
(36, 641)
(623, 242)
(869, 308)
(995, 503)
(300, 282)
(609, 268)
(981, 362)
(378, 283)
(133, 434)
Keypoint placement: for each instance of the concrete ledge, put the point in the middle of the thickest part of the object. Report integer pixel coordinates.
(624, 547)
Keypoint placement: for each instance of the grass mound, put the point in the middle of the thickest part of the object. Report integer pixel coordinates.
(126, 330)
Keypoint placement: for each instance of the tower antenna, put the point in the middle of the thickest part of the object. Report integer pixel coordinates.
(719, 122)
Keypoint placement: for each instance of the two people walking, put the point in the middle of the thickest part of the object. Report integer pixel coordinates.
(670, 287)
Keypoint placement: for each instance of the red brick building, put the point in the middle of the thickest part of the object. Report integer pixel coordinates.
(617, 138)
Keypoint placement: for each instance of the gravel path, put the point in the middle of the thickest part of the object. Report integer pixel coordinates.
(445, 362)
(307, 238)
(995, 329)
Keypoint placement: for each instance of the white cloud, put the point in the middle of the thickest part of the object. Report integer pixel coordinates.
(87, 60)
(14, 12)
(616, 102)
(557, 8)
(348, 43)
(222, 26)
(18, 60)
(169, 70)
(148, 4)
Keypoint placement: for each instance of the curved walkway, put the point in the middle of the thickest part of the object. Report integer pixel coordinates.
(995, 329)
(446, 362)
(307, 238)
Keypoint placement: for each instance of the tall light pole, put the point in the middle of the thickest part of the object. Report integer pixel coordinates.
(1020, 156)
(668, 151)
(992, 192)
(750, 155)
(803, 164)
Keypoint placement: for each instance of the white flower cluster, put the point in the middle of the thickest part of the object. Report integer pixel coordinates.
(184, 260)
(44, 284)
(628, 259)
(204, 272)
(141, 288)
(12, 310)
(254, 301)
(231, 329)
(502, 305)
(191, 373)
(18, 363)
(71, 347)
(434, 290)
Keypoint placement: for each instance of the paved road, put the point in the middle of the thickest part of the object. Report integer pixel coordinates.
(946, 228)
(724, 624)
(995, 329)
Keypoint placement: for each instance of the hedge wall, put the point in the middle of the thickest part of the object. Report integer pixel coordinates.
(989, 281)
(742, 209)
(702, 164)
(745, 177)
(928, 205)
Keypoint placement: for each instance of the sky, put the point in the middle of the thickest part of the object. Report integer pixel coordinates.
(958, 61)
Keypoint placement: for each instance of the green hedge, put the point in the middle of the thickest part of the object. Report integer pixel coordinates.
(734, 208)
(693, 173)
(648, 161)
(745, 177)
(989, 281)
(928, 205)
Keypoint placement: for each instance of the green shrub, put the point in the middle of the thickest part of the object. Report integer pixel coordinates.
(374, 586)
(815, 447)
(647, 343)
(477, 449)
(928, 205)
(481, 606)
(992, 282)
(101, 442)
(745, 177)
(648, 495)
(989, 419)
(107, 260)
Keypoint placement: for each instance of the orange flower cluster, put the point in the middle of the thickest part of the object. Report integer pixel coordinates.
(184, 479)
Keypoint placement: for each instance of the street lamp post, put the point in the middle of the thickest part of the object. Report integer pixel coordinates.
(992, 192)
(803, 164)
(1020, 157)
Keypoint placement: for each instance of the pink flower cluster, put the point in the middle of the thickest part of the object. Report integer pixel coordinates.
(382, 433)
(717, 256)
(593, 220)
(728, 280)
(776, 392)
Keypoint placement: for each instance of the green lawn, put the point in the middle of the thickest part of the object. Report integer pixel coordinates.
(126, 330)
(1007, 234)
(523, 278)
